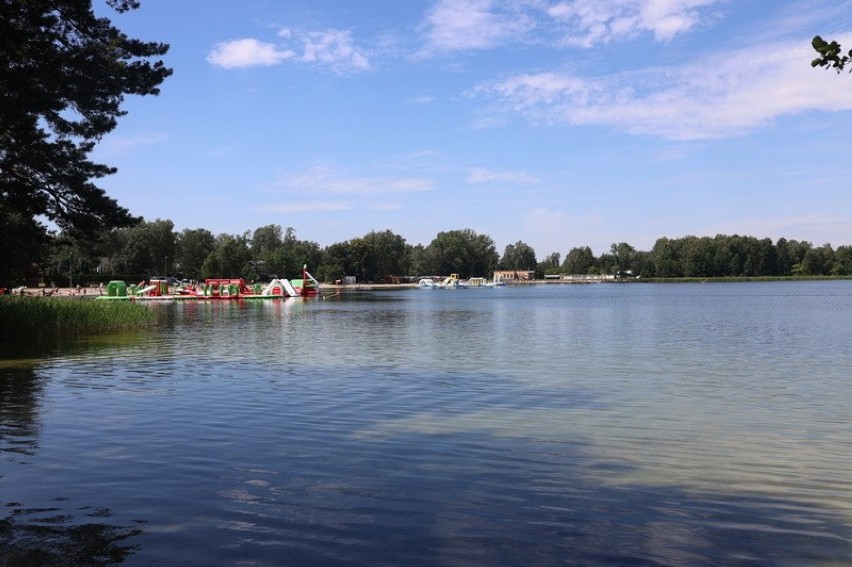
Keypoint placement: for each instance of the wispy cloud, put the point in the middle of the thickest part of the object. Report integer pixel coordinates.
(726, 94)
(427, 162)
(384, 206)
(453, 25)
(117, 144)
(302, 207)
(590, 22)
(484, 175)
(474, 24)
(548, 226)
(421, 100)
(541, 217)
(816, 229)
(456, 25)
(323, 178)
(334, 49)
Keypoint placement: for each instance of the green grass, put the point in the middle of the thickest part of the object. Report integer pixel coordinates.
(48, 318)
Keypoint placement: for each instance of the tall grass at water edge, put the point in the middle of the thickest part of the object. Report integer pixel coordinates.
(44, 319)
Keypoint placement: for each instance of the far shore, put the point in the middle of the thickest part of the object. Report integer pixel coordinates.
(94, 291)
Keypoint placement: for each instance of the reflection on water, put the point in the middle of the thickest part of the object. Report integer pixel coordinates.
(20, 390)
(56, 534)
(659, 425)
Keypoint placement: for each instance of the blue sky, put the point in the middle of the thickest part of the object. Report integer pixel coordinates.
(560, 123)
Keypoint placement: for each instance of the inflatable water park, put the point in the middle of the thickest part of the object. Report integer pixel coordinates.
(212, 289)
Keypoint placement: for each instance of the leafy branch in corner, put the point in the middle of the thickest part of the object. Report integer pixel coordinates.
(830, 55)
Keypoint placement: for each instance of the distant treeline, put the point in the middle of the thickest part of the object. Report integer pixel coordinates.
(155, 248)
(718, 256)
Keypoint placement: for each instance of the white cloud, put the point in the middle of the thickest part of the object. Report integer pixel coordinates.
(247, 53)
(322, 178)
(473, 24)
(724, 95)
(484, 175)
(331, 48)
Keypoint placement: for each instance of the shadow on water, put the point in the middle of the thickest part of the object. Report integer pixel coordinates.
(55, 535)
(370, 493)
(462, 514)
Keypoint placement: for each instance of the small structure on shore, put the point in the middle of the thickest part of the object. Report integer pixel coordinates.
(514, 275)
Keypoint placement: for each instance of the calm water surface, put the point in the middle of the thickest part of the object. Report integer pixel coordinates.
(701, 424)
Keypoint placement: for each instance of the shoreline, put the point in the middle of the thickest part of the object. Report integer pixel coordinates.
(95, 291)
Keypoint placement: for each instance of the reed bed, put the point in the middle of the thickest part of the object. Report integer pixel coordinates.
(43, 318)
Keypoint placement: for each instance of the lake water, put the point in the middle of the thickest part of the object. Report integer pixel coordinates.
(648, 424)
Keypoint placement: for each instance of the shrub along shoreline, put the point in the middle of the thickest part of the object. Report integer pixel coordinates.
(43, 319)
